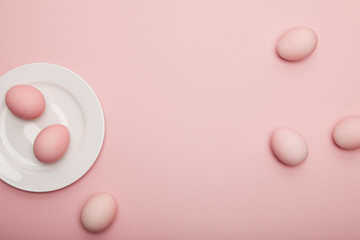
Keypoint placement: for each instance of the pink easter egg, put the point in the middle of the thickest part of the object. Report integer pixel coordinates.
(346, 133)
(289, 146)
(25, 101)
(98, 212)
(52, 143)
(297, 44)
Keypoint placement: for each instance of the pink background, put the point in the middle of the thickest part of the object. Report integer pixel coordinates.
(191, 92)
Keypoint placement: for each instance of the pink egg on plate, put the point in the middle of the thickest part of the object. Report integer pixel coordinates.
(346, 133)
(98, 212)
(51, 143)
(289, 146)
(297, 44)
(25, 101)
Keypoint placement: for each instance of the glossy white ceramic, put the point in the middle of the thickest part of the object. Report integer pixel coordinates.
(69, 101)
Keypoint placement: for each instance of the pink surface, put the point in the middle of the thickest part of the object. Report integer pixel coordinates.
(191, 92)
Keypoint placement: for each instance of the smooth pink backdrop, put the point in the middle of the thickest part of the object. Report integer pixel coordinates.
(191, 92)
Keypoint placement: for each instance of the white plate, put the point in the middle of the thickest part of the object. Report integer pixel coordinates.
(69, 101)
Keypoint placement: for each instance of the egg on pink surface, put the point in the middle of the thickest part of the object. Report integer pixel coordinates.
(25, 101)
(51, 143)
(289, 146)
(297, 44)
(346, 133)
(98, 212)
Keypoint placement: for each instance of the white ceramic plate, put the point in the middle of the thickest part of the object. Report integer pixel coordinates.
(69, 101)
